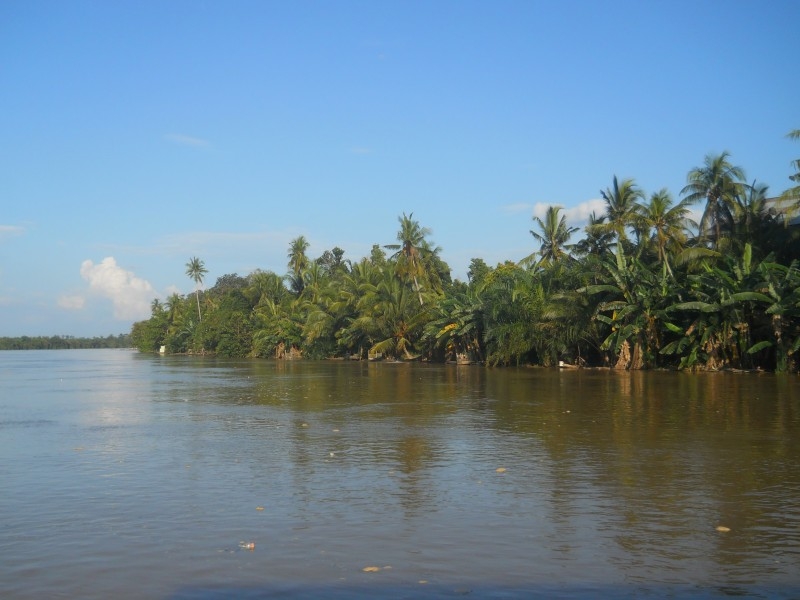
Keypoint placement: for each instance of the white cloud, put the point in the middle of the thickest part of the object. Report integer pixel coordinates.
(186, 140)
(577, 216)
(9, 230)
(130, 295)
(72, 302)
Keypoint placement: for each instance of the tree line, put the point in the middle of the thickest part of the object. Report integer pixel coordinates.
(643, 287)
(64, 342)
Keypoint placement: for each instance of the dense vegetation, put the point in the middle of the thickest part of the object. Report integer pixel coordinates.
(645, 287)
(64, 342)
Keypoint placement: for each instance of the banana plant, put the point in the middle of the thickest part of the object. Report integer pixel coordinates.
(632, 305)
(717, 321)
(781, 295)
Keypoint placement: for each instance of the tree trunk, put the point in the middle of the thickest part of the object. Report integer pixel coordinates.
(781, 356)
(624, 357)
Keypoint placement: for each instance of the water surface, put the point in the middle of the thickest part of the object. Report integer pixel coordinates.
(136, 476)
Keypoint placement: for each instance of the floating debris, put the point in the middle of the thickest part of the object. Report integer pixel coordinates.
(247, 545)
(259, 508)
(371, 569)
(723, 529)
(500, 470)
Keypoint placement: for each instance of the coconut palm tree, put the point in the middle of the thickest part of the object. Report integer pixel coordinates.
(512, 298)
(717, 182)
(597, 241)
(666, 225)
(196, 271)
(792, 195)
(298, 262)
(411, 250)
(265, 287)
(553, 237)
(456, 326)
(753, 223)
(156, 307)
(622, 206)
(389, 316)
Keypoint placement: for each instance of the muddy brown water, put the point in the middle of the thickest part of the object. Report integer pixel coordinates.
(125, 475)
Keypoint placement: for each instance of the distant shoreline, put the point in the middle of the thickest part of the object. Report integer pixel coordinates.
(65, 342)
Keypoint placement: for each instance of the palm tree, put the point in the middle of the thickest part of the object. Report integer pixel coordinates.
(621, 207)
(388, 317)
(456, 326)
(156, 307)
(411, 249)
(513, 298)
(265, 287)
(553, 237)
(598, 240)
(753, 223)
(793, 193)
(196, 270)
(298, 262)
(717, 182)
(666, 224)
(621, 201)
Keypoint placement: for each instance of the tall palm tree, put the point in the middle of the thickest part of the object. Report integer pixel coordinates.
(793, 193)
(553, 237)
(622, 204)
(753, 223)
(667, 225)
(717, 182)
(409, 252)
(598, 240)
(298, 262)
(196, 270)
(156, 307)
(389, 316)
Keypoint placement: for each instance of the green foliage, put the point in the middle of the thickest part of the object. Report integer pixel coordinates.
(65, 342)
(639, 290)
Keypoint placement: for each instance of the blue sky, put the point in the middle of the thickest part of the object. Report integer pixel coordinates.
(137, 134)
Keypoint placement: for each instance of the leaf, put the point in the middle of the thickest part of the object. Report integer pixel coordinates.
(754, 296)
(701, 306)
(759, 346)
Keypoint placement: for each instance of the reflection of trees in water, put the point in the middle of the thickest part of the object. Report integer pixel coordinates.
(652, 460)
(417, 488)
(672, 454)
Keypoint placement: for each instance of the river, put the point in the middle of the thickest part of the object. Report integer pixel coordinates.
(124, 475)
